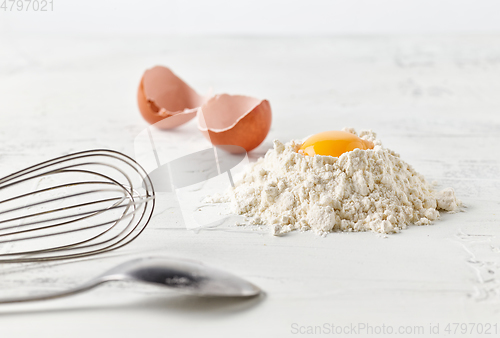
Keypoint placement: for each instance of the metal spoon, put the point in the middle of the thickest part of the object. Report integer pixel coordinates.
(184, 275)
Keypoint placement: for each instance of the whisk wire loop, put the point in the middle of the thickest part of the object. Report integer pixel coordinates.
(72, 206)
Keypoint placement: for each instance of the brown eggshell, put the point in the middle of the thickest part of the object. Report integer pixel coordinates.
(165, 100)
(235, 120)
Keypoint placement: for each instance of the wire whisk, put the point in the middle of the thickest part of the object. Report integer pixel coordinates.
(73, 206)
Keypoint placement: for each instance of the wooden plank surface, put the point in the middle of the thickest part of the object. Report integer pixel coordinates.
(434, 100)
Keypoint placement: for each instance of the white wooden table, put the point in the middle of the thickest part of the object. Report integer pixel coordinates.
(434, 100)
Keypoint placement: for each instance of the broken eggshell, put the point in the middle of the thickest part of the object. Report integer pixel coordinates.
(165, 100)
(235, 120)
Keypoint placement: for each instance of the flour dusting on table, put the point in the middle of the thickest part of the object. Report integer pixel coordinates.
(362, 190)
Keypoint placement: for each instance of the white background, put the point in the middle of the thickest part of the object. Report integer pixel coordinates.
(256, 17)
(427, 81)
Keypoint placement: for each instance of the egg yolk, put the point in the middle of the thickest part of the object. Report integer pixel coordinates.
(333, 143)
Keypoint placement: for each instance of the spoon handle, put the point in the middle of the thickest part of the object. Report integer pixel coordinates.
(81, 288)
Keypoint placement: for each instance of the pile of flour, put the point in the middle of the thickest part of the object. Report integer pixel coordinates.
(361, 190)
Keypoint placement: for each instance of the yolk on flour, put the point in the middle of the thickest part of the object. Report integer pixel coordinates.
(333, 143)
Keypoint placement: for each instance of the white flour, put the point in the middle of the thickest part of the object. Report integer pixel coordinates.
(361, 190)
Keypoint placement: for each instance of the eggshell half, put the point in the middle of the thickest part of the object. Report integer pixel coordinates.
(162, 96)
(235, 120)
